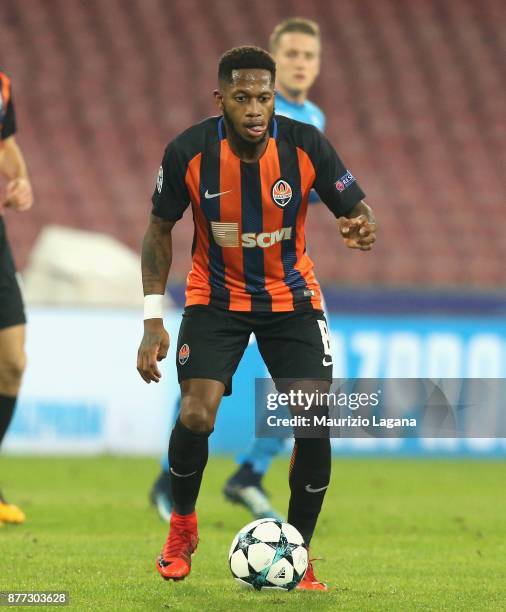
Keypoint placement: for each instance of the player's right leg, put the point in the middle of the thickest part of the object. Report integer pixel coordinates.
(188, 453)
(209, 349)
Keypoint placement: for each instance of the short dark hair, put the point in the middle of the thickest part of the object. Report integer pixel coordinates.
(245, 57)
(293, 24)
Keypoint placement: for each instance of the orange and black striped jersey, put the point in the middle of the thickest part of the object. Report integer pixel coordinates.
(7, 116)
(249, 247)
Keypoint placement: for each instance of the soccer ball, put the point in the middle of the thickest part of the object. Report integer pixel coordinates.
(268, 554)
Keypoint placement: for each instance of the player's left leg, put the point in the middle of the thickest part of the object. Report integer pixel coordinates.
(309, 479)
(12, 365)
(245, 485)
(296, 349)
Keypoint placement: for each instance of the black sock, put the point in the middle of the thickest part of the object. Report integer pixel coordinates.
(309, 479)
(7, 404)
(188, 452)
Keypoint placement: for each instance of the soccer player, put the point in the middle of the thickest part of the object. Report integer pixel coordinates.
(248, 175)
(296, 48)
(295, 45)
(17, 196)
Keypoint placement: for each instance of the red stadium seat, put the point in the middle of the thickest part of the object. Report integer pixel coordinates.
(412, 91)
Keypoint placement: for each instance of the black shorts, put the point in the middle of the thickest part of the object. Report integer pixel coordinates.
(293, 345)
(12, 310)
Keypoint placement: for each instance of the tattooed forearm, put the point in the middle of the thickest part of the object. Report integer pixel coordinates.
(156, 255)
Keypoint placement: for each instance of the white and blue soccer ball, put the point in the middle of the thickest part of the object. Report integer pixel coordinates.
(268, 554)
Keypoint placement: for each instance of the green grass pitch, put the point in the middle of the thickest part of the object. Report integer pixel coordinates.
(394, 535)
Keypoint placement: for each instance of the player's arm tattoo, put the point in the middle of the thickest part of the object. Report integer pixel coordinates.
(362, 209)
(156, 255)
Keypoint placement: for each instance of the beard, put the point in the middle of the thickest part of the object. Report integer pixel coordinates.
(240, 140)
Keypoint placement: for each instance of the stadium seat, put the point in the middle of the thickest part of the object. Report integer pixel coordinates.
(413, 106)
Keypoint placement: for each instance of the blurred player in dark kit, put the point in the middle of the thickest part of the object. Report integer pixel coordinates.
(17, 196)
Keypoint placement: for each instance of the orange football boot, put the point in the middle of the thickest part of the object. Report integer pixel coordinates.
(174, 562)
(310, 582)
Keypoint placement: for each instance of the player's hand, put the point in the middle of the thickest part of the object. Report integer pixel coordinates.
(358, 232)
(153, 348)
(18, 194)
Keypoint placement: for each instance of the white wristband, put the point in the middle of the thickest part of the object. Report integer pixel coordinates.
(153, 307)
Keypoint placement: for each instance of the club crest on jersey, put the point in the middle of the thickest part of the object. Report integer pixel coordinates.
(281, 193)
(184, 354)
(345, 181)
(159, 180)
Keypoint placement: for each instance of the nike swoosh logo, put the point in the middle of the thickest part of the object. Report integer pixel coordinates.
(182, 475)
(326, 362)
(208, 195)
(310, 489)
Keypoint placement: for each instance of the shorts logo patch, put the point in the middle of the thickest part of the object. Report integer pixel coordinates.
(281, 193)
(184, 354)
(159, 180)
(345, 181)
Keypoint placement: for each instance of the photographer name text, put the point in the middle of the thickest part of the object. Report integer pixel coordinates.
(325, 421)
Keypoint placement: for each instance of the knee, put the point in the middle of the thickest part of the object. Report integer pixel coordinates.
(12, 366)
(196, 414)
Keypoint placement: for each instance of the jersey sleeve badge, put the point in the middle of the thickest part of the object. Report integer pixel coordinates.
(159, 180)
(345, 181)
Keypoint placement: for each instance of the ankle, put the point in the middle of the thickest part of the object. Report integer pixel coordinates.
(184, 518)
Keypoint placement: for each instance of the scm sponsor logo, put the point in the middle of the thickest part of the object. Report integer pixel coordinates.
(266, 239)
